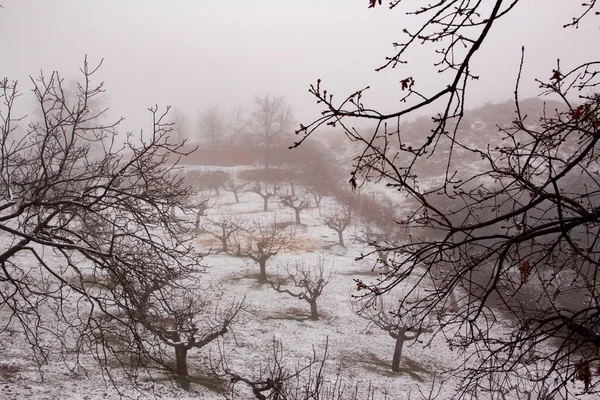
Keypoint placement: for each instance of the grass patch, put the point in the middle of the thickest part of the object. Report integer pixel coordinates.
(302, 244)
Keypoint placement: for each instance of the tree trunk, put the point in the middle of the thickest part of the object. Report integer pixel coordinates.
(181, 369)
(265, 203)
(314, 315)
(262, 277)
(235, 195)
(181, 360)
(199, 214)
(223, 238)
(297, 213)
(398, 350)
(340, 233)
(224, 244)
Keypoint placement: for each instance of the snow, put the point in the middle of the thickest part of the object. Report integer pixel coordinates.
(363, 355)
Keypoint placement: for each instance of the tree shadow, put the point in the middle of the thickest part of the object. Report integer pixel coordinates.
(375, 364)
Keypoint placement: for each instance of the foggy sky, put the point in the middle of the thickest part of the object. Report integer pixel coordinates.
(192, 54)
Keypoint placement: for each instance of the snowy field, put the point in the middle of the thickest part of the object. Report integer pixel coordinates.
(362, 356)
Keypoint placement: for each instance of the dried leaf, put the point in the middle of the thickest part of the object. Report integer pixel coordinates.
(406, 83)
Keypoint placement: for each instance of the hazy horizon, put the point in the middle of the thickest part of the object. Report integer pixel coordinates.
(193, 54)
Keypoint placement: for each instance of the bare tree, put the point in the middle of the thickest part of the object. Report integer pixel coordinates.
(513, 221)
(211, 126)
(188, 322)
(297, 201)
(337, 218)
(236, 187)
(237, 125)
(224, 225)
(321, 177)
(401, 325)
(166, 321)
(266, 191)
(181, 126)
(365, 234)
(379, 217)
(271, 119)
(291, 177)
(260, 242)
(86, 235)
(310, 280)
(318, 194)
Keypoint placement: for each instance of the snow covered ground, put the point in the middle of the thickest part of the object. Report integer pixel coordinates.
(364, 356)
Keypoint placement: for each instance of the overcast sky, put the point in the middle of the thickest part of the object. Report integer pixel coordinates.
(191, 54)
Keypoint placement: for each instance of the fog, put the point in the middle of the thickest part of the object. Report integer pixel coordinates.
(192, 54)
(120, 256)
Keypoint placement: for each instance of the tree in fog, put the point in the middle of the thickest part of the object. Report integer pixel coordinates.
(180, 128)
(291, 177)
(260, 242)
(212, 126)
(271, 119)
(377, 216)
(224, 225)
(298, 200)
(265, 183)
(512, 224)
(92, 255)
(235, 186)
(237, 126)
(266, 191)
(308, 282)
(320, 180)
(337, 218)
(207, 181)
(314, 167)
